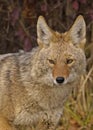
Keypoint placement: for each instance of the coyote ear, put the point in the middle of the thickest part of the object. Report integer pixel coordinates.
(78, 31)
(44, 33)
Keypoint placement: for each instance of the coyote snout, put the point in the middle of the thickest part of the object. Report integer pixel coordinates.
(60, 73)
(64, 78)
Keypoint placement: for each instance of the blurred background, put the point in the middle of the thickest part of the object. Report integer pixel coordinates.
(18, 19)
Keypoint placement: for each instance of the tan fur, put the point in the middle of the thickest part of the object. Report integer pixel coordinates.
(29, 90)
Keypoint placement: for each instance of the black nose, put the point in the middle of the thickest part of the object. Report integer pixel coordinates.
(60, 79)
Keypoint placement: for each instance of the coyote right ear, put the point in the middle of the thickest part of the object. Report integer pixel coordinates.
(78, 30)
(44, 33)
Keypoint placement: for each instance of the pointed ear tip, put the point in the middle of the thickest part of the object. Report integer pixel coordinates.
(40, 18)
(80, 17)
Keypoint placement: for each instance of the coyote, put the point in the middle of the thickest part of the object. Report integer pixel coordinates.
(34, 85)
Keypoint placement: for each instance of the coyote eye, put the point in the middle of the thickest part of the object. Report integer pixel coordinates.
(51, 61)
(69, 61)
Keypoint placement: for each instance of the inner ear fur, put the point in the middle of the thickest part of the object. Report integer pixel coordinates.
(77, 32)
(44, 33)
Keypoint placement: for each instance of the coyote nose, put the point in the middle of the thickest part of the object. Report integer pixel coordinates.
(60, 80)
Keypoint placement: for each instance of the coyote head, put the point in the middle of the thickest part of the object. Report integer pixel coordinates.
(61, 59)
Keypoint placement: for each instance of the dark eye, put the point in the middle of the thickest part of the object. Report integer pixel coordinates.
(69, 61)
(51, 61)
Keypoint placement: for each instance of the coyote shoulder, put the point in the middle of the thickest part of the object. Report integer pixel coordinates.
(34, 85)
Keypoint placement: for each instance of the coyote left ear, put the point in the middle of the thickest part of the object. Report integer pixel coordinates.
(44, 33)
(78, 31)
